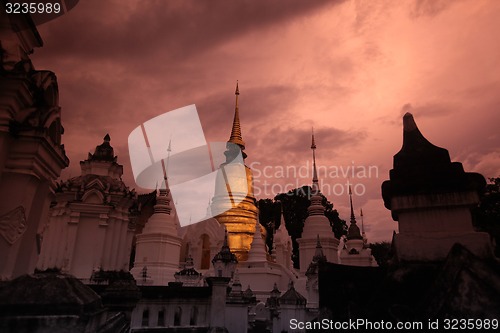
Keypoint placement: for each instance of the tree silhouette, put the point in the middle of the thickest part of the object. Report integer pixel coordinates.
(381, 252)
(487, 214)
(295, 203)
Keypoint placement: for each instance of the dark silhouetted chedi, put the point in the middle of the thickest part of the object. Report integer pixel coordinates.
(431, 198)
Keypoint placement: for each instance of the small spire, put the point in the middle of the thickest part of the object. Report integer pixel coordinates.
(315, 185)
(236, 137)
(353, 231)
(258, 248)
(275, 292)
(107, 138)
(165, 164)
(353, 218)
(318, 254)
(282, 217)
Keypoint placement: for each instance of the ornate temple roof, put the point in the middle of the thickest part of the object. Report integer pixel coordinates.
(188, 269)
(248, 293)
(318, 258)
(292, 296)
(225, 254)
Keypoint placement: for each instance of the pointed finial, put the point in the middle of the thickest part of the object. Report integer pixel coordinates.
(313, 144)
(236, 130)
(275, 292)
(107, 138)
(315, 185)
(318, 253)
(353, 231)
(164, 164)
(353, 218)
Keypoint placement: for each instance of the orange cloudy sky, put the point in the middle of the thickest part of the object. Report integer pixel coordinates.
(350, 69)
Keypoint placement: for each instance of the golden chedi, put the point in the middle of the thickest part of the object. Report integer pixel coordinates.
(234, 193)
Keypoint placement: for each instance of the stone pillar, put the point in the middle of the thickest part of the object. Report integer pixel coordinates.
(218, 301)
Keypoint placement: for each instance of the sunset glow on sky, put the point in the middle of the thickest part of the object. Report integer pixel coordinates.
(350, 69)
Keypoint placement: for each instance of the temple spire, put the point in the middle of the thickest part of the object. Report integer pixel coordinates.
(318, 254)
(315, 185)
(258, 248)
(353, 218)
(164, 163)
(236, 130)
(353, 232)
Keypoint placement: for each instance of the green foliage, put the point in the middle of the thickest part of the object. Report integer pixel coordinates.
(295, 204)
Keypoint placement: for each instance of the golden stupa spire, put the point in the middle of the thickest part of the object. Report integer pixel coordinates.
(236, 130)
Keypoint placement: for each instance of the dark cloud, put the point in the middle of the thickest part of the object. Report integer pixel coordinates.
(329, 139)
(154, 29)
(429, 8)
(428, 110)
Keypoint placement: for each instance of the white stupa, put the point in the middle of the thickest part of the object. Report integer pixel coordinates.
(158, 246)
(316, 224)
